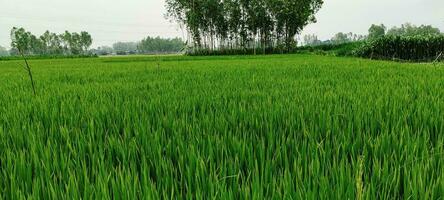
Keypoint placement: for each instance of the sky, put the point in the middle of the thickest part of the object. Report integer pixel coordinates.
(131, 20)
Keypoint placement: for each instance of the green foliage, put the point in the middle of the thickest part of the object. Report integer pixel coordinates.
(409, 48)
(311, 40)
(43, 57)
(103, 50)
(123, 48)
(50, 43)
(23, 41)
(408, 29)
(243, 24)
(3, 51)
(341, 38)
(232, 51)
(341, 49)
(159, 45)
(376, 31)
(228, 127)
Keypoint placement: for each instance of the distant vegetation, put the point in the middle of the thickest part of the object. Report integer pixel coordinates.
(148, 45)
(408, 43)
(123, 48)
(3, 51)
(76, 45)
(41, 57)
(243, 26)
(158, 45)
(49, 43)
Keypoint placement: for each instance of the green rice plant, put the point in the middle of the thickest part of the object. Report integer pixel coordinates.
(222, 127)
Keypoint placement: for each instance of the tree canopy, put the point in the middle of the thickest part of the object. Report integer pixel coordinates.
(125, 47)
(148, 45)
(376, 31)
(49, 43)
(409, 29)
(215, 24)
(156, 45)
(3, 51)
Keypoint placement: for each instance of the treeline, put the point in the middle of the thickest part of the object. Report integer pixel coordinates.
(407, 42)
(148, 45)
(407, 29)
(374, 32)
(248, 25)
(338, 38)
(67, 43)
(3, 51)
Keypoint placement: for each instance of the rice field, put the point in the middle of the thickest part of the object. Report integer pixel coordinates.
(231, 127)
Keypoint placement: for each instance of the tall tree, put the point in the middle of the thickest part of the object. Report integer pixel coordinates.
(125, 47)
(311, 40)
(85, 41)
(21, 40)
(159, 45)
(376, 31)
(341, 37)
(50, 43)
(216, 24)
(409, 29)
(3, 51)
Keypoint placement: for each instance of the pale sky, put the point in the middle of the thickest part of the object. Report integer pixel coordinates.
(131, 20)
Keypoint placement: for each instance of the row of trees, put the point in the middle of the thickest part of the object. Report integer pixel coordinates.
(158, 45)
(243, 24)
(49, 43)
(338, 38)
(407, 29)
(148, 45)
(374, 32)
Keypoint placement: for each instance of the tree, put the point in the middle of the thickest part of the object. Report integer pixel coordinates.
(311, 40)
(376, 31)
(340, 38)
(21, 40)
(159, 45)
(408, 29)
(103, 50)
(3, 51)
(50, 43)
(125, 48)
(85, 41)
(243, 24)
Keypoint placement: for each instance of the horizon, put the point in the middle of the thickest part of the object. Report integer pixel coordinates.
(133, 21)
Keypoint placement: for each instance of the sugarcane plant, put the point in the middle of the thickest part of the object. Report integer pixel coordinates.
(21, 41)
(410, 48)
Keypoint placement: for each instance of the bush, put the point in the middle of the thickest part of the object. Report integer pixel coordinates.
(344, 49)
(409, 48)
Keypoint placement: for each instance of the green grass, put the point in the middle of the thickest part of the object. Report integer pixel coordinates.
(251, 127)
